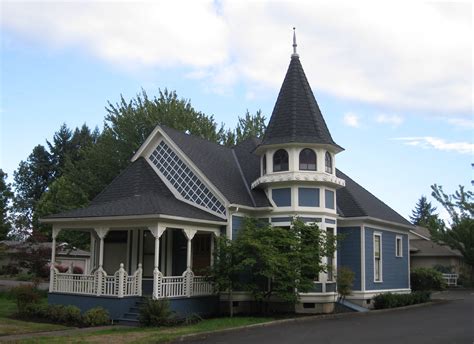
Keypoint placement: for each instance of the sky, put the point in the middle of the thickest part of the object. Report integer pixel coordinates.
(393, 79)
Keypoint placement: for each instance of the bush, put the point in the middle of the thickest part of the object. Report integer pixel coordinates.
(426, 279)
(345, 281)
(96, 316)
(389, 300)
(35, 311)
(25, 295)
(77, 270)
(57, 313)
(72, 315)
(155, 313)
(61, 268)
(26, 277)
(9, 269)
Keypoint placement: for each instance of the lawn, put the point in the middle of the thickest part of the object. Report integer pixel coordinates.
(151, 335)
(10, 326)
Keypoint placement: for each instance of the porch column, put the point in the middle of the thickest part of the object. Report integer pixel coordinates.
(214, 237)
(157, 231)
(101, 233)
(189, 233)
(52, 268)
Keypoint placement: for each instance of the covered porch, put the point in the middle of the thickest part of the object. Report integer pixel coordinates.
(162, 260)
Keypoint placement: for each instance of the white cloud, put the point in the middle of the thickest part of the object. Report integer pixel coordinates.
(351, 120)
(393, 120)
(429, 142)
(464, 123)
(405, 54)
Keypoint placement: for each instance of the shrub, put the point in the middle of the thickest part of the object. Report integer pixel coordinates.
(36, 311)
(77, 270)
(61, 268)
(155, 313)
(25, 295)
(9, 269)
(389, 300)
(72, 315)
(26, 277)
(345, 281)
(57, 313)
(426, 279)
(96, 316)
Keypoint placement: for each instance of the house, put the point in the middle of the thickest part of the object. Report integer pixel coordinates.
(425, 253)
(152, 228)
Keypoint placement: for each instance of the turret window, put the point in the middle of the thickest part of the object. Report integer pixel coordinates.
(264, 164)
(280, 160)
(307, 160)
(328, 163)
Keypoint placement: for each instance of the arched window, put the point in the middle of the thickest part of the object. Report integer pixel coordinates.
(264, 164)
(308, 160)
(328, 163)
(280, 160)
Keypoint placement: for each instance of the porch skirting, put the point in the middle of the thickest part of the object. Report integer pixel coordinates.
(182, 307)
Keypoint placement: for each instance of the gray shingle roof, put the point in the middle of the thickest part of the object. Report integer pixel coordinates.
(428, 248)
(355, 201)
(137, 191)
(223, 165)
(296, 116)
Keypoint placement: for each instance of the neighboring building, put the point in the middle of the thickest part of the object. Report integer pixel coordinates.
(159, 216)
(425, 253)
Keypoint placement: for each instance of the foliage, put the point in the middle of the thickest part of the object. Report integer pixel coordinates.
(460, 235)
(96, 316)
(424, 213)
(25, 295)
(155, 313)
(77, 270)
(34, 258)
(6, 196)
(389, 300)
(345, 281)
(443, 269)
(9, 269)
(426, 279)
(278, 261)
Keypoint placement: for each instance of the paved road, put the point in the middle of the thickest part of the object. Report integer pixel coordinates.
(448, 322)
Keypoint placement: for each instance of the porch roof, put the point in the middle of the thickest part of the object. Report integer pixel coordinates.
(136, 191)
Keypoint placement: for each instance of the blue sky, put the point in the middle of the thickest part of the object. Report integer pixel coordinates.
(397, 97)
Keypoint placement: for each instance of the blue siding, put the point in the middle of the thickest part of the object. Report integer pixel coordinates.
(282, 197)
(308, 197)
(329, 199)
(348, 252)
(394, 269)
(237, 223)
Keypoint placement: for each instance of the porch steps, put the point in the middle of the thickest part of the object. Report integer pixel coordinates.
(131, 317)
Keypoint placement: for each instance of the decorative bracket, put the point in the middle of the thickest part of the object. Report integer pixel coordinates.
(189, 233)
(55, 232)
(157, 230)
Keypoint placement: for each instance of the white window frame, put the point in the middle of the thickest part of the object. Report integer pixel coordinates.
(379, 235)
(399, 238)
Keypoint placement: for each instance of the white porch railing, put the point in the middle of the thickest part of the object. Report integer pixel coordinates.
(186, 285)
(99, 283)
(451, 279)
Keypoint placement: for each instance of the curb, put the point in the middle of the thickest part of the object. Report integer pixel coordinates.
(309, 318)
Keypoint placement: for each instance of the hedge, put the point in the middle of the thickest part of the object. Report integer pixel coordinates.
(389, 300)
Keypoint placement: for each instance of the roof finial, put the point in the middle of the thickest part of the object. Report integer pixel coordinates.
(294, 43)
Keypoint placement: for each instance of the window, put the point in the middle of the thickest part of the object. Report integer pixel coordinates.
(280, 161)
(282, 197)
(264, 164)
(329, 199)
(308, 197)
(185, 182)
(399, 246)
(377, 257)
(330, 236)
(307, 160)
(328, 162)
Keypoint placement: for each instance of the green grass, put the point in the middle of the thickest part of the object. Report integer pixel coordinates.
(152, 335)
(10, 326)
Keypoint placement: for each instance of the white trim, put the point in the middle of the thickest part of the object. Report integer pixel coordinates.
(408, 255)
(378, 234)
(299, 176)
(362, 219)
(398, 238)
(362, 258)
(368, 294)
(419, 235)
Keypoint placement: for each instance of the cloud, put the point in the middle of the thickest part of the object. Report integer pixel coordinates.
(462, 122)
(428, 142)
(393, 120)
(352, 50)
(351, 120)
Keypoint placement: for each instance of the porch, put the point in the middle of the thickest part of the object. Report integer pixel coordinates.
(160, 260)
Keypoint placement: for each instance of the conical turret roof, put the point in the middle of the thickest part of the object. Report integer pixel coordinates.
(296, 117)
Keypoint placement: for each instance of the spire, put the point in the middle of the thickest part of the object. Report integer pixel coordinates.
(296, 117)
(295, 54)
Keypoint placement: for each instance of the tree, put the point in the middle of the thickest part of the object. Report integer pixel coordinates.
(5, 197)
(424, 213)
(250, 126)
(31, 180)
(459, 234)
(280, 262)
(345, 281)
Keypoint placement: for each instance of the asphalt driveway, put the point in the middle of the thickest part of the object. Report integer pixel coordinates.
(451, 321)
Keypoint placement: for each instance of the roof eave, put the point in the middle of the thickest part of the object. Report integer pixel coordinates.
(376, 220)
